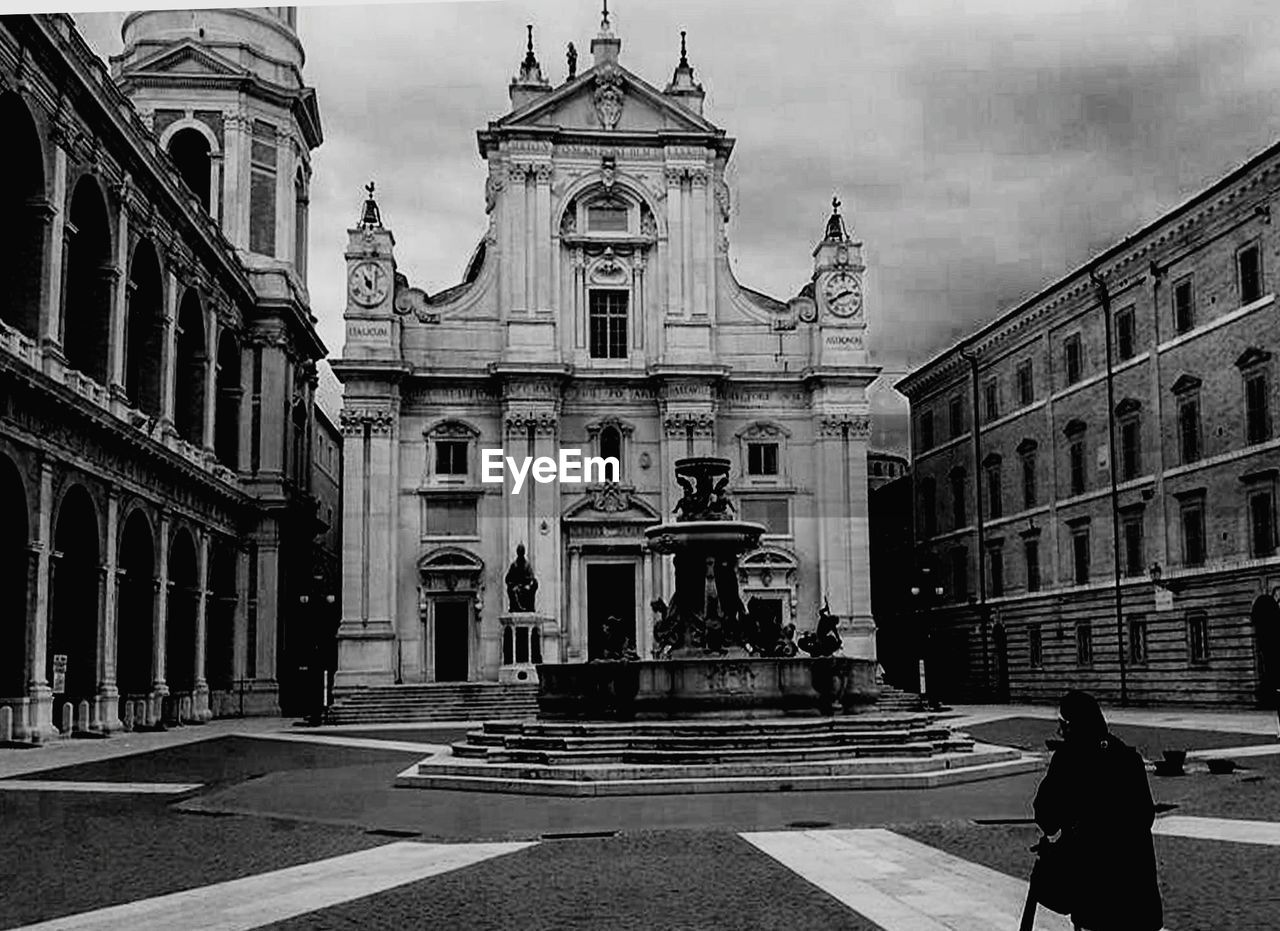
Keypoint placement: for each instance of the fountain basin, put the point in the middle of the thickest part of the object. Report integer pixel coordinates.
(706, 686)
(710, 536)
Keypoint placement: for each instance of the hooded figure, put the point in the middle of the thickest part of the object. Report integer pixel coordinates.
(1096, 793)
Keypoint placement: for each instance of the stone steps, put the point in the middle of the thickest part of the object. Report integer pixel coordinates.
(426, 702)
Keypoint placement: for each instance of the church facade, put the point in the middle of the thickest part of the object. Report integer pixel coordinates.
(599, 313)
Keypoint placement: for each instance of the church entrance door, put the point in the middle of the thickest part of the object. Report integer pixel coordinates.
(611, 591)
(452, 617)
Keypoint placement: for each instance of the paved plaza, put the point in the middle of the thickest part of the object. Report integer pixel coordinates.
(257, 823)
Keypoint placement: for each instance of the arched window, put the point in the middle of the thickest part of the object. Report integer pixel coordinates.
(22, 232)
(144, 330)
(189, 150)
(189, 372)
(611, 443)
(90, 275)
(226, 440)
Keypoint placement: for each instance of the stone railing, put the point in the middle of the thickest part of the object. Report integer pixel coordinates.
(16, 344)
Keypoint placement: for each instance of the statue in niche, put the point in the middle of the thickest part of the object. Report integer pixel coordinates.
(824, 640)
(521, 585)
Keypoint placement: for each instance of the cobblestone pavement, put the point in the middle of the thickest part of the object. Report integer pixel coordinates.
(677, 862)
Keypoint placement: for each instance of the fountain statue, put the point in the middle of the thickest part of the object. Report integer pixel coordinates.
(521, 585)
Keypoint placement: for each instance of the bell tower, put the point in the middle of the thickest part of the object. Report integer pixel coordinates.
(223, 92)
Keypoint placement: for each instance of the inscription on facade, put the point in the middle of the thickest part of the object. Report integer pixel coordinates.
(372, 329)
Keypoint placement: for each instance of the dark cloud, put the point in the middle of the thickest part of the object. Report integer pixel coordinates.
(982, 148)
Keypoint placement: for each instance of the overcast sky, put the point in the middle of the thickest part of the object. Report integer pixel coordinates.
(982, 149)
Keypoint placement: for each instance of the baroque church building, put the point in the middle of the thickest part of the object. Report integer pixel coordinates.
(599, 313)
(157, 370)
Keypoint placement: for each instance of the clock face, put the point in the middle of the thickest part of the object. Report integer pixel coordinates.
(843, 292)
(368, 284)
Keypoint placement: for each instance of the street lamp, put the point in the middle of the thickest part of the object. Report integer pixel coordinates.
(925, 593)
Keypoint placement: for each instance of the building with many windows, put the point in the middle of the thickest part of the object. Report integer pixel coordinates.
(157, 368)
(599, 313)
(1095, 471)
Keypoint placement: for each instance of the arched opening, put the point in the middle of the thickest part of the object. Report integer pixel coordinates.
(180, 626)
(22, 233)
(13, 593)
(220, 624)
(1265, 615)
(71, 661)
(611, 445)
(144, 331)
(189, 371)
(135, 609)
(189, 150)
(86, 319)
(226, 441)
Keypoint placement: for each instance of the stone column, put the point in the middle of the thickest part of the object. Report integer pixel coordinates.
(120, 304)
(269, 606)
(240, 622)
(676, 306)
(235, 188)
(215, 186)
(542, 236)
(544, 549)
(211, 384)
(503, 183)
(201, 699)
(573, 628)
(160, 612)
(168, 347)
(54, 240)
(700, 255)
(40, 708)
(518, 200)
(107, 714)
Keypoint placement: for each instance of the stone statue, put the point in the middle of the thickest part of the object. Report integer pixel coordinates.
(521, 585)
(616, 645)
(666, 631)
(824, 640)
(572, 55)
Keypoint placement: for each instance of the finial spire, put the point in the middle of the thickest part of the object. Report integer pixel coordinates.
(835, 225)
(530, 70)
(371, 216)
(604, 20)
(684, 51)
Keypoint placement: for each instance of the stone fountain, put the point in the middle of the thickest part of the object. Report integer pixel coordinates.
(712, 658)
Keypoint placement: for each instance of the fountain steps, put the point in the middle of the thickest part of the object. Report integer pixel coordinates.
(693, 757)
(478, 743)
(446, 701)
(860, 723)
(922, 772)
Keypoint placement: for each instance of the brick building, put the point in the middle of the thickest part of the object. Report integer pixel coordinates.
(1125, 421)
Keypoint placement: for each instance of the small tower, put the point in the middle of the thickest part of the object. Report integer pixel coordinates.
(529, 84)
(683, 87)
(606, 46)
(838, 271)
(224, 93)
(373, 330)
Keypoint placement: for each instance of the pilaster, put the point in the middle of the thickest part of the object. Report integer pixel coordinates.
(54, 241)
(160, 610)
(108, 699)
(40, 708)
(201, 698)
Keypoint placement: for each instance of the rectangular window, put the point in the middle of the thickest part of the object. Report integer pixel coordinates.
(449, 517)
(955, 417)
(929, 507)
(1189, 428)
(995, 565)
(1080, 554)
(1073, 360)
(959, 573)
(607, 219)
(1125, 334)
(1134, 555)
(995, 503)
(991, 400)
(1084, 644)
(1075, 453)
(1249, 261)
(1193, 532)
(1029, 493)
(1130, 448)
(1035, 645)
(1184, 307)
(1257, 413)
(1198, 636)
(262, 189)
(1026, 385)
(1031, 553)
(607, 318)
(1262, 524)
(774, 513)
(1138, 641)
(762, 458)
(926, 431)
(958, 515)
(451, 457)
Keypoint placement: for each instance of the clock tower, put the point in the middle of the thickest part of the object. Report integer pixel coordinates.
(373, 332)
(838, 271)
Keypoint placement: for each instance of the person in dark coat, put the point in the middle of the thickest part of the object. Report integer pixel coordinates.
(1096, 794)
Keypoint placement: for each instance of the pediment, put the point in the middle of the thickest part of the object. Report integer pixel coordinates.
(769, 557)
(611, 503)
(187, 57)
(577, 104)
(450, 559)
(1186, 383)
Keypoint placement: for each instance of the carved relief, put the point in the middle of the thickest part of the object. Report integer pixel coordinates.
(607, 270)
(539, 423)
(856, 426)
(353, 420)
(682, 423)
(608, 98)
